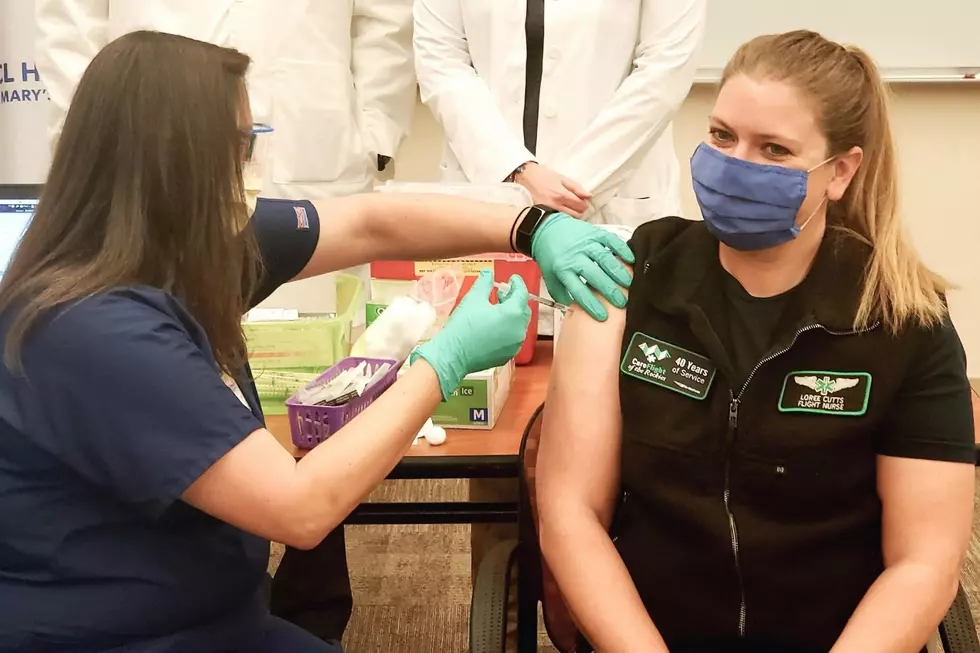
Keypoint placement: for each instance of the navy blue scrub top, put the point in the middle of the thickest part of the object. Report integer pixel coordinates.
(120, 410)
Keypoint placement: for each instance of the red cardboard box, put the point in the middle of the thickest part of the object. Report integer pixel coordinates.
(503, 267)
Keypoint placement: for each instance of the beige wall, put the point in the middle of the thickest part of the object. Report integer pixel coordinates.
(938, 133)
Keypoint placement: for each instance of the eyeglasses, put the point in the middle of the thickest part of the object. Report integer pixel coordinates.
(252, 135)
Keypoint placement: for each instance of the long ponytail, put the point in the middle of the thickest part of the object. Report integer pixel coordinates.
(898, 286)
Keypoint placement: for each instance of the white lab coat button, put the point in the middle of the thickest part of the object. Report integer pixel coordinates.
(550, 111)
(554, 53)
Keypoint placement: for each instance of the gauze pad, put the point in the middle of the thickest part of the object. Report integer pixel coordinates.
(396, 331)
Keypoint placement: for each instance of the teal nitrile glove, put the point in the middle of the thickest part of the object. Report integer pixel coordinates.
(479, 335)
(569, 250)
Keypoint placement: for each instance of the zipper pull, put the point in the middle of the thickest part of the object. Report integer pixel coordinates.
(733, 413)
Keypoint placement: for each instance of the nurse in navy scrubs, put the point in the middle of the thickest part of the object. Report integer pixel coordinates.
(139, 488)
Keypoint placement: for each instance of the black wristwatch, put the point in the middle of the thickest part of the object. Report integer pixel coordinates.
(527, 223)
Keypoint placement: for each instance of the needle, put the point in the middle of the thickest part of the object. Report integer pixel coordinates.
(505, 287)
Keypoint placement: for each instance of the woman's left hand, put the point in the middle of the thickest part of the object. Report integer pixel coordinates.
(569, 250)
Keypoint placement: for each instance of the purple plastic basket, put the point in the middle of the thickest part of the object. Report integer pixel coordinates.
(311, 425)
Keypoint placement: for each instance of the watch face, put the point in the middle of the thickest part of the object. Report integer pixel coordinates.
(526, 229)
(531, 220)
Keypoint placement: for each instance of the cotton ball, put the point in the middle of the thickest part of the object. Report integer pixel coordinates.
(435, 436)
(422, 432)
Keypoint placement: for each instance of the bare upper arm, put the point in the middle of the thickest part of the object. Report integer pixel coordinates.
(927, 510)
(578, 460)
(252, 487)
(345, 238)
(927, 453)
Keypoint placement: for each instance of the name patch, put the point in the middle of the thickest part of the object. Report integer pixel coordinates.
(827, 393)
(669, 366)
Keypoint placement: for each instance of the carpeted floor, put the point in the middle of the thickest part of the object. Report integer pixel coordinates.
(412, 583)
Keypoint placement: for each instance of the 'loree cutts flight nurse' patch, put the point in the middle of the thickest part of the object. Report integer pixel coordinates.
(827, 393)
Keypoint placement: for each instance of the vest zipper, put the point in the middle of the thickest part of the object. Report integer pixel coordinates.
(732, 528)
(730, 445)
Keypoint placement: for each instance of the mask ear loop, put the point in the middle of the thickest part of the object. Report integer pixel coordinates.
(822, 163)
(825, 198)
(813, 213)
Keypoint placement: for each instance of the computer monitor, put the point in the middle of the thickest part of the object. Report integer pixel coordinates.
(15, 215)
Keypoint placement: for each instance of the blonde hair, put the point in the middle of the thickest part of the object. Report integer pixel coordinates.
(851, 105)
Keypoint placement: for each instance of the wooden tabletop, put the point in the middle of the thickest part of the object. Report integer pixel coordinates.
(526, 394)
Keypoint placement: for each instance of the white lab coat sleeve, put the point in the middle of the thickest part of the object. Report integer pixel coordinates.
(486, 148)
(614, 145)
(69, 35)
(382, 68)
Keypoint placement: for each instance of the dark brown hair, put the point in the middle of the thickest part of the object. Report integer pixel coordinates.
(850, 102)
(145, 187)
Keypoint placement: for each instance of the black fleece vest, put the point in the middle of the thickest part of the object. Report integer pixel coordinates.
(750, 513)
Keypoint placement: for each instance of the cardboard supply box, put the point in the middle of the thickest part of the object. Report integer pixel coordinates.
(287, 353)
(392, 278)
(478, 401)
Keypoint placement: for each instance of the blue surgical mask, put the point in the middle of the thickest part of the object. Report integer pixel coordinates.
(749, 206)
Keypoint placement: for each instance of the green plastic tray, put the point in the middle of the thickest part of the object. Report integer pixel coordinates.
(286, 355)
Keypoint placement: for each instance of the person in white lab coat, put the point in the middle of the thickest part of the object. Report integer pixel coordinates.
(573, 99)
(335, 79)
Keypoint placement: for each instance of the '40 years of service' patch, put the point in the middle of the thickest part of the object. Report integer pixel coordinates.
(827, 393)
(669, 366)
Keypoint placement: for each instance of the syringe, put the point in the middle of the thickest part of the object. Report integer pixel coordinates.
(505, 287)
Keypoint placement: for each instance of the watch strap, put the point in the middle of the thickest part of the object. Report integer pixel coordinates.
(528, 225)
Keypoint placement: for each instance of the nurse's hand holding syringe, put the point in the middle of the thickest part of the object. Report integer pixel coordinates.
(544, 301)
